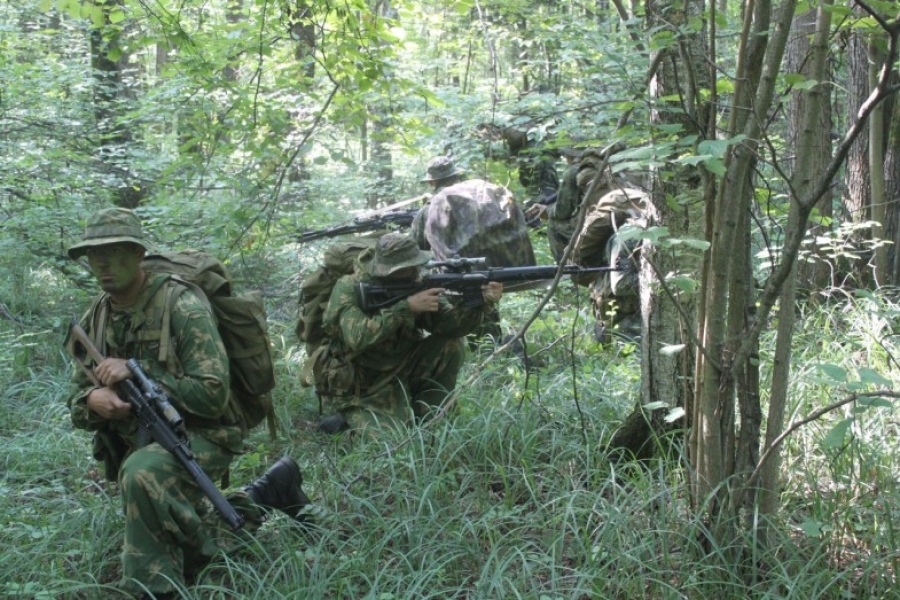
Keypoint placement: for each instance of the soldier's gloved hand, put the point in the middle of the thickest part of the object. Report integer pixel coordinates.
(492, 292)
(111, 371)
(106, 403)
(425, 301)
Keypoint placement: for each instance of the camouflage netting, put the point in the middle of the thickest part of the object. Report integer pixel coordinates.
(475, 218)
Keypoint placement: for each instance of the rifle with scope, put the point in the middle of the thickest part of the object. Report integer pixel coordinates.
(155, 416)
(463, 282)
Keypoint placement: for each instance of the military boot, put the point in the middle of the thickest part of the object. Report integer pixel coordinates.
(280, 488)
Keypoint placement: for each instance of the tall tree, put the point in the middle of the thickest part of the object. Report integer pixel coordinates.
(114, 92)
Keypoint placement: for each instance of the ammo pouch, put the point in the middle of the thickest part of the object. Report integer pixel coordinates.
(109, 448)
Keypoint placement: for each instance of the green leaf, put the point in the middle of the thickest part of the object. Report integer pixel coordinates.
(651, 406)
(835, 437)
(811, 528)
(875, 402)
(724, 86)
(715, 148)
(674, 414)
(873, 377)
(833, 372)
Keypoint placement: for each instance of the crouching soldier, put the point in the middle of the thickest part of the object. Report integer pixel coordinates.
(395, 364)
(169, 531)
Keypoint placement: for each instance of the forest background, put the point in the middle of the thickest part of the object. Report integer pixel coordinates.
(764, 381)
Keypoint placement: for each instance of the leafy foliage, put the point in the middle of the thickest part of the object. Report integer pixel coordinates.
(250, 121)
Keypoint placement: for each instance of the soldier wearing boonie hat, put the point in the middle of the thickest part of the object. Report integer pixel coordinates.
(395, 252)
(441, 172)
(110, 226)
(165, 529)
(397, 364)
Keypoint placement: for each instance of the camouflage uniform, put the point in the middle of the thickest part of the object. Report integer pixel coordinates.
(563, 214)
(475, 218)
(614, 203)
(396, 366)
(472, 219)
(165, 533)
(168, 527)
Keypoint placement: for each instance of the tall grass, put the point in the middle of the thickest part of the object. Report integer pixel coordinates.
(511, 497)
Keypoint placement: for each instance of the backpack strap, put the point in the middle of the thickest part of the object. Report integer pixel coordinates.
(165, 331)
(173, 291)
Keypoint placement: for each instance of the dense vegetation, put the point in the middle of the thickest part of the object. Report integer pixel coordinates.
(232, 126)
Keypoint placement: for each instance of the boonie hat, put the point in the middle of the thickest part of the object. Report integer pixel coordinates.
(441, 167)
(395, 251)
(110, 226)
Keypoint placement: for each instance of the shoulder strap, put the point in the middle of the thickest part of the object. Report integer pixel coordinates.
(97, 320)
(165, 329)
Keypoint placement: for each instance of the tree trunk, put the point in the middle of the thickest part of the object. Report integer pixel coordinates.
(856, 200)
(892, 190)
(113, 95)
(876, 169)
(807, 167)
(810, 141)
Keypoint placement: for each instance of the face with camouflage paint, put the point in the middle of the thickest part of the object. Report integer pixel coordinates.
(117, 268)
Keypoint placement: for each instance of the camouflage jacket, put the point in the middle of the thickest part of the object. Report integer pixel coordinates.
(564, 212)
(382, 341)
(196, 379)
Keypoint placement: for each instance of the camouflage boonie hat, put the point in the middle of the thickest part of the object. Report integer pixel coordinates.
(441, 167)
(110, 226)
(395, 251)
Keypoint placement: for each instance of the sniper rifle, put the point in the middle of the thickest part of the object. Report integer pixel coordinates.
(155, 416)
(463, 282)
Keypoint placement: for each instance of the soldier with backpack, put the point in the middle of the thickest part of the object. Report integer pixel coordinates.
(167, 324)
(394, 365)
(472, 218)
(607, 203)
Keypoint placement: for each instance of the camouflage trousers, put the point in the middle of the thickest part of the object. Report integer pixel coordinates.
(169, 528)
(411, 392)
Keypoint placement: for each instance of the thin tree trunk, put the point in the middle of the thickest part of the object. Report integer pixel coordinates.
(111, 69)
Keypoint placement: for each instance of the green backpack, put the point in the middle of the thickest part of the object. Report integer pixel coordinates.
(339, 260)
(242, 325)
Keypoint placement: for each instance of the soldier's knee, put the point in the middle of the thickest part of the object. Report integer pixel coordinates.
(142, 467)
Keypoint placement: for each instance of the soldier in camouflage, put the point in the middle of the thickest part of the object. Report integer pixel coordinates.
(615, 202)
(472, 218)
(395, 365)
(169, 530)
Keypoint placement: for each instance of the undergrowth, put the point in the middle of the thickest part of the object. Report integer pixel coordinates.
(512, 495)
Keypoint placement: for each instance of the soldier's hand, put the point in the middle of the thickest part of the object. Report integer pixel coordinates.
(425, 301)
(492, 292)
(536, 211)
(106, 403)
(111, 371)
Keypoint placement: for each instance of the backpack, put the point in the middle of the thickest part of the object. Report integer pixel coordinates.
(241, 322)
(475, 218)
(315, 291)
(597, 244)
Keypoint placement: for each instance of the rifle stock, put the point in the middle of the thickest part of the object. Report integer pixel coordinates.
(466, 285)
(155, 415)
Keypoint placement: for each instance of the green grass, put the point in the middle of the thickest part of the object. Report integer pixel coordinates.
(512, 497)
